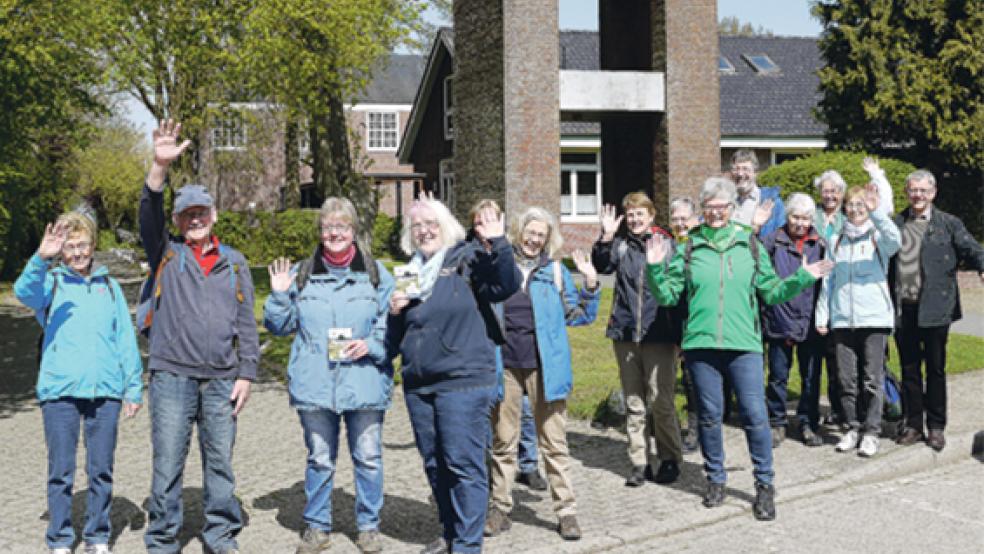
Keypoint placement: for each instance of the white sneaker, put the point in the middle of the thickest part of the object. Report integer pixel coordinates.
(869, 446)
(60, 551)
(848, 441)
(97, 549)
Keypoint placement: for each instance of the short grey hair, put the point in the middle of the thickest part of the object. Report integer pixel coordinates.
(683, 202)
(799, 203)
(831, 176)
(717, 188)
(745, 155)
(451, 230)
(336, 205)
(921, 175)
(554, 240)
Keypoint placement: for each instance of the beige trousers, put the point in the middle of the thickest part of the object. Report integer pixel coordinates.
(648, 375)
(550, 418)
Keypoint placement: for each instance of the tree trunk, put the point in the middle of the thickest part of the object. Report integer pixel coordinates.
(292, 164)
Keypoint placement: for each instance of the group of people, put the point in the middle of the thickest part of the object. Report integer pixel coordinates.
(478, 318)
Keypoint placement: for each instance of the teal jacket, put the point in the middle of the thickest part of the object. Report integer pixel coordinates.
(90, 347)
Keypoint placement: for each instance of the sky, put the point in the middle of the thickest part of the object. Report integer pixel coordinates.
(782, 17)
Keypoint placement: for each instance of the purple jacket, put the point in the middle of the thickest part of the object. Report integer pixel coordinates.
(793, 319)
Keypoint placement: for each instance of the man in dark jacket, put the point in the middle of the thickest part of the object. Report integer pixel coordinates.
(790, 324)
(204, 351)
(645, 338)
(927, 300)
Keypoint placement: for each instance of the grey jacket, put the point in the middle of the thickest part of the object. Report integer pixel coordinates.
(201, 327)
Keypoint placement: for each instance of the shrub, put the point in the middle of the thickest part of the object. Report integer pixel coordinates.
(798, 175)
(263, 236)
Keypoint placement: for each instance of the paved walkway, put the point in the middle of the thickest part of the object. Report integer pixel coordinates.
(270, 457)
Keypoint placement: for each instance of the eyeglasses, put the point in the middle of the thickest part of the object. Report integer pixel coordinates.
(202, 213)
(920, 192)
(429, 224)
(77, 248)
(716, 208)
(856, 206)
(336, 228)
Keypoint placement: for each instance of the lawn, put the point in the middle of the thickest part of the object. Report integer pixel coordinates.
(595, 372)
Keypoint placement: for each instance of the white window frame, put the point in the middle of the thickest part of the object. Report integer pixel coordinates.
(448, 108)
(232, 139)
(445, 183)
(395, 130)
(575, 217)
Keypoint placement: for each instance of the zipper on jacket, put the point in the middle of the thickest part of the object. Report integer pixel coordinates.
(720, 339)
(640, 292)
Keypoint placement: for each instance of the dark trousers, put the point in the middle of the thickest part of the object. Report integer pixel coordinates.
(918, 345)
(808, 354)
(833, 382)
(862, 350)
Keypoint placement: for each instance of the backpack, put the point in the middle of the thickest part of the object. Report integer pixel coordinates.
(892, 403)
(47, 310)
(151, 288)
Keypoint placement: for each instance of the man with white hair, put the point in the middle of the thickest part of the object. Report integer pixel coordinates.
(757, 207)
(789, 325)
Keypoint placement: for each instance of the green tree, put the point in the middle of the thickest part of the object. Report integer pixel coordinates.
(731, 26)
(906, 79)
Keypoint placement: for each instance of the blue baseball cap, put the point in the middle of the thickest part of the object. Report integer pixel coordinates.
(192, 195)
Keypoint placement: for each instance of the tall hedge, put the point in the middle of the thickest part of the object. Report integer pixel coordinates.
(263, 236)
(798, 175)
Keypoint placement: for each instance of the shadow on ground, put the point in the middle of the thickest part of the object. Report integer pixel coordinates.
(18, 361)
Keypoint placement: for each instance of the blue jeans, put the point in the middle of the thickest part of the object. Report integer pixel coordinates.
(177, 403)
(61, 434)
(364, 432)
(527, 456)
(809, 354)
(451, 430)
(709, 368)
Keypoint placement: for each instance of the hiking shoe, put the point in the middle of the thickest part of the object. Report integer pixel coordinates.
(496, 521)
(936, 440)
(848, 442)
(778, 435)
(637, 477)
(910, 436)
(869, 446)
(437, 546)
(369, 541)
(714, 495)
(764, 506)
(97, 549)
(568, 528)
(668, 472)
(533, 480)
(690, 441)
(810, 438)
(313, 541)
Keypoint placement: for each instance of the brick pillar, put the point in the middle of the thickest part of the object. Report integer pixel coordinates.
(507, 113)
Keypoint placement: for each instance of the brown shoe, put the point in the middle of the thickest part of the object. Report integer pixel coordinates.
(568, 528)
(909, 437)
(496, 521)
(936, 441)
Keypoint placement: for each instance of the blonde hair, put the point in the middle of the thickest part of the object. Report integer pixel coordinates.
(554, 240)
(851, 194)
(79, 223)
(451, 230)
(343, 206)
(481, 205)
(638, 199)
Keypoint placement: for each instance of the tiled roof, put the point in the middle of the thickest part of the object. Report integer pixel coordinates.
(395, 80)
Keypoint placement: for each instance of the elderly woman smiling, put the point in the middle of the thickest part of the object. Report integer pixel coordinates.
(448, 358)
(725, 272)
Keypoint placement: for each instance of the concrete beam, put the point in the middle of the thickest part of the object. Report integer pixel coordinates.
(610, 91)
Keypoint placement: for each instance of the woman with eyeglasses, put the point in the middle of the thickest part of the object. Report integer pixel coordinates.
(90, 372)
(726, 271)
(336, 302)
(446, 333)
(855, 305)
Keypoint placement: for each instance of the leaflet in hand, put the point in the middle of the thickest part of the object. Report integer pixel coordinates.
(407, 280)
(338, 339)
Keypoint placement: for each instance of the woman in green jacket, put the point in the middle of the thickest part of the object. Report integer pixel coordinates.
(725, 271)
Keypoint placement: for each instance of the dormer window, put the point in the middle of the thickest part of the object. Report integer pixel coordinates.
(761, 63)
(724, 65)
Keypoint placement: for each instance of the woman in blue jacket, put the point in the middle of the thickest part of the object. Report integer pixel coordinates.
(856, 307)
(90, 371)
(537, 360)
(445, 330)
(336, 303)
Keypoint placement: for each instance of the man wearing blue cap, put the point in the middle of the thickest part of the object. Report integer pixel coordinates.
(203, 353)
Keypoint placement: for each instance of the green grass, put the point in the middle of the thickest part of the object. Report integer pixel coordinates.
(595, 370)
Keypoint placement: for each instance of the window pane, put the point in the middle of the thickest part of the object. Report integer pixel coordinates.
(761, 63)
(578, 158)
(587, 200)
(724, 64)
(565, 193)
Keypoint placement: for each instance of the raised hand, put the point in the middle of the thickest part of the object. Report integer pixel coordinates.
(583, 263)
(819, 269)
(870, 164)
(762, 214)
(53, 240)
(166, 150)
(609, 222)
(280, 275)
(491, 225)
(871, 197)
(657, 247)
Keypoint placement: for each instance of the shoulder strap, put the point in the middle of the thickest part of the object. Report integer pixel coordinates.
(304, 273)
(688, 253)
(753, 248)
(47, 309)
(874, 244)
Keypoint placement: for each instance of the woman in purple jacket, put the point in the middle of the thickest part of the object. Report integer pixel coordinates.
(790, 325)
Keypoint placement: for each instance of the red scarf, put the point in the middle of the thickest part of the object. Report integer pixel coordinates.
(342, 259)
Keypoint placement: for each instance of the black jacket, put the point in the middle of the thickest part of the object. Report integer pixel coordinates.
(636, 315)
(946, 243)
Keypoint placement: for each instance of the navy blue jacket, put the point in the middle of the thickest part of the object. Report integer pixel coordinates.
(449, 341)
(792, 319)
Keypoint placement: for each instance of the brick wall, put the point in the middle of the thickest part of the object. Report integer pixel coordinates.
(578, 235)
